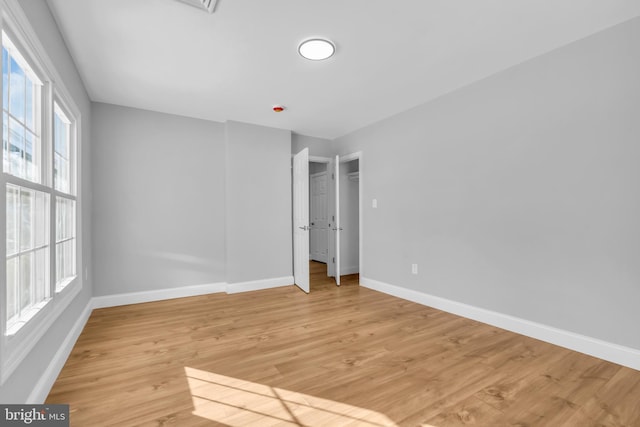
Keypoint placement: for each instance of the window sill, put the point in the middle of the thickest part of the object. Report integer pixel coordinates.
(24, 338)
(60, 286)
(14, 327)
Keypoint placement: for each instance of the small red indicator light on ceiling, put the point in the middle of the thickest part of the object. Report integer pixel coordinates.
(278, 108)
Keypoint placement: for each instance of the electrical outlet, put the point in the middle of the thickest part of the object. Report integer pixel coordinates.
(374, 203)
(414, 268)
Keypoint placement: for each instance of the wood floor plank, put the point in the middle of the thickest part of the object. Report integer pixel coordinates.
(339, 356)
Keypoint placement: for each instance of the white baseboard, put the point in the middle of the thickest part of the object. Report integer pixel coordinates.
(44, 384)
(615, 353)
(156, 295)
(256, 285)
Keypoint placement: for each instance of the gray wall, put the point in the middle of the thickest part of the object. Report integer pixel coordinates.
(21, 383)
(317, 167)
(159, 200)
(258, 202)
(519, 193)
(317, 146)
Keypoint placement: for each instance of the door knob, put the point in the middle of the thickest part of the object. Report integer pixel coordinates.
(305, 228)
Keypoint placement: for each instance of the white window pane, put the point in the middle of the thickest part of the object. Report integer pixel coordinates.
(59, 264)
(65, 218)
(17, 89)
(41, 220)
(70, 206)
(13, 213)
(41, 284)
(61, 137)
(31, 172)
(5, 141)
(59, 219)
(61, 173)
(12, 288)
(65, 233)
(62, 151)
(16, 148)
(27, 272)
(71, 218)
(57, 140)
(28, 210)
(64, 176)
(65, 261)
(56, 170)
(21, 103)
(26, 219)
(5, 79)
(30, 104)
(26, 277)
(70, 267)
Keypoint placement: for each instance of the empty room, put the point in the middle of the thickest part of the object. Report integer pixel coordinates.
(320, 213)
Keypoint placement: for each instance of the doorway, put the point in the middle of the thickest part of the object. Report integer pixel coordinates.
(318, 212)
(349, 218)
(339, 181)
(345, 242)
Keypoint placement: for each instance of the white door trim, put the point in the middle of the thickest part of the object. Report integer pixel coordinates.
(312, 212)
(319, 159)
(300, 219)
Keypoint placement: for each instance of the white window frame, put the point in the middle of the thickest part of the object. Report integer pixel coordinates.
(29, 313)
(58, 103)
(14, 348)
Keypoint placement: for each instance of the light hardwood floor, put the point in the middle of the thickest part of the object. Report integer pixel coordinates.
(338, 356)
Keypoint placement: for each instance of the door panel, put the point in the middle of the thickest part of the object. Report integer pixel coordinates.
(319, 218)
(301, 219)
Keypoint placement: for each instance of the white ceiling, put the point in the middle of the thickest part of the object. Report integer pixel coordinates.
(236, 63)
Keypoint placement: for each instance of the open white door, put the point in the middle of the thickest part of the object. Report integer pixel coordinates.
(337, 228)
(301, 219)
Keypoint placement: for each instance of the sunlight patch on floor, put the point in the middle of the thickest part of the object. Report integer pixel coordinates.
(236, 402)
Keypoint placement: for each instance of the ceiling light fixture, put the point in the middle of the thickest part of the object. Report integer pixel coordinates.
(316, 49)
(208, 5)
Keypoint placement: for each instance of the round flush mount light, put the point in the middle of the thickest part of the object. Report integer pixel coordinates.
(316, 49)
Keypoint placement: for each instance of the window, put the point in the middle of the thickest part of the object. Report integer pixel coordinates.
(20, 108)
(65, 242)
(27, 254)
(40, 181)
(64, 182)
(62, 150)
(39, 171)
